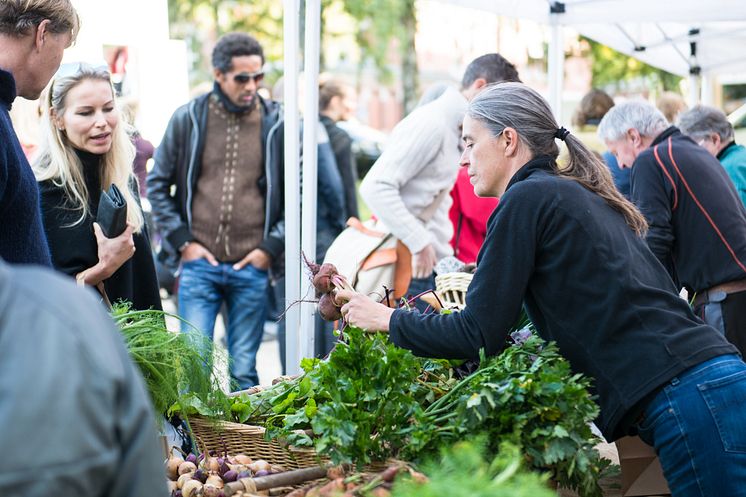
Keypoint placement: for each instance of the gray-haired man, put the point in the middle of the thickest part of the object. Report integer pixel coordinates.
(710, 128)
(697, 222)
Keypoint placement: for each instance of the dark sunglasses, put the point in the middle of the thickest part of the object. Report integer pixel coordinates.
(243, 77)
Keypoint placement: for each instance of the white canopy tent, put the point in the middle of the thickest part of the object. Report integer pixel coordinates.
(702, 40)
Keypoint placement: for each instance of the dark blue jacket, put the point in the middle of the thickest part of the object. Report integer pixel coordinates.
(22, 237)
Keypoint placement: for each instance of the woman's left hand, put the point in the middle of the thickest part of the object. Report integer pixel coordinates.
(363, 312)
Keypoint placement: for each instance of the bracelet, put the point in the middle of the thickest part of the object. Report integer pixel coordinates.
(80, 278)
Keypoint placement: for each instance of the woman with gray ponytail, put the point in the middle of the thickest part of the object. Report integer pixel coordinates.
(564, 243)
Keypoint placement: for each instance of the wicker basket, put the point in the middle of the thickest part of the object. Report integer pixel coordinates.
(236, 438)
(451, 288)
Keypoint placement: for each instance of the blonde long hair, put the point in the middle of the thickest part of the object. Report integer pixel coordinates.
(57, 160)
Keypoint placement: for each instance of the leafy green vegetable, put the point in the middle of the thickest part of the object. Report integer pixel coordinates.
(526, 396)
(371, 400)
(467, 470)
(177, 367)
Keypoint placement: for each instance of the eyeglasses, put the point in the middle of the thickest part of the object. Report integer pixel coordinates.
(243, 77)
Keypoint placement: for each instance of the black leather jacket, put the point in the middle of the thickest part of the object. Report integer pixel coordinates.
(178, 163)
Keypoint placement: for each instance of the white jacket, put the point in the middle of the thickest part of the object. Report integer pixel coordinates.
(420, 160)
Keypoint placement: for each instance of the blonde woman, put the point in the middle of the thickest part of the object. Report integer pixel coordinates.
(84, 150)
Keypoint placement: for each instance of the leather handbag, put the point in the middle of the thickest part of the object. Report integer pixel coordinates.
(112, 212)
(373, 259)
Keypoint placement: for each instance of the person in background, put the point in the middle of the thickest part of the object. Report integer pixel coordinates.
(419, 167)
(576, 259)
(25, 116)
(88, 429)
(84, 150)
(592, 108)
(710, 128)
(33, 36)
(216, 191)
(144, 150)
(468, 213)
(697, 221)
(671, 104)
(336, 104)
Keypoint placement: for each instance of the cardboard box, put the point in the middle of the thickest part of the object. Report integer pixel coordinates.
(642, 474)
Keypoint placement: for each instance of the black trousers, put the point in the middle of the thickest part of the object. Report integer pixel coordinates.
(727, 313)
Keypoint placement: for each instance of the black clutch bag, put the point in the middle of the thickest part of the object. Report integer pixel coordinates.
(112, 212)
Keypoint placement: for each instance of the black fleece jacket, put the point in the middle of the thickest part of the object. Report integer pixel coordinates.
(588, 283)
(697, 221)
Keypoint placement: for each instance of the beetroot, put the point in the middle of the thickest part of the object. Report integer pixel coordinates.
(328, 310)
(322, 280)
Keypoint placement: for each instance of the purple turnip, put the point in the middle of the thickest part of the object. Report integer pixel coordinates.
(200, 475)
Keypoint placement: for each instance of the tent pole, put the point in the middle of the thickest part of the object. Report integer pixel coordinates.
(556, 67)
(310, 162)
(694, 89)
(708, 90)
(291, 31)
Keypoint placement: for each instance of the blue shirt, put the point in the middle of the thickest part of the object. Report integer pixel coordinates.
(620, 175)
(733, 159)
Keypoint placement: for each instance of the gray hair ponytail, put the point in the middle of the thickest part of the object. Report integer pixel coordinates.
(517, 106)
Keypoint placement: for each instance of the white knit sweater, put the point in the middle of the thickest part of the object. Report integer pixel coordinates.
(419, 161)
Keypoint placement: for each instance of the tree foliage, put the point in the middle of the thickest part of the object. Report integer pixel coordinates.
(201, 22)
(382, 24)
(612, 68)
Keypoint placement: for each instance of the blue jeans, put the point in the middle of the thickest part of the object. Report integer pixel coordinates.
(697, 424)
(203, 289)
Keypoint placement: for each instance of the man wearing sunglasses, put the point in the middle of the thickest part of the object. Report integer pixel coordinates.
(216, 194)
(33, 36)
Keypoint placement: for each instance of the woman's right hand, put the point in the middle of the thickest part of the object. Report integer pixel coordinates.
(113, 252)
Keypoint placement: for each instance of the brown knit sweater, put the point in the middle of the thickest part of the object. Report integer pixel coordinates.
(228, 207)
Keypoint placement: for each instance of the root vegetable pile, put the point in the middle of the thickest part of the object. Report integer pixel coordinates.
(206, 475)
